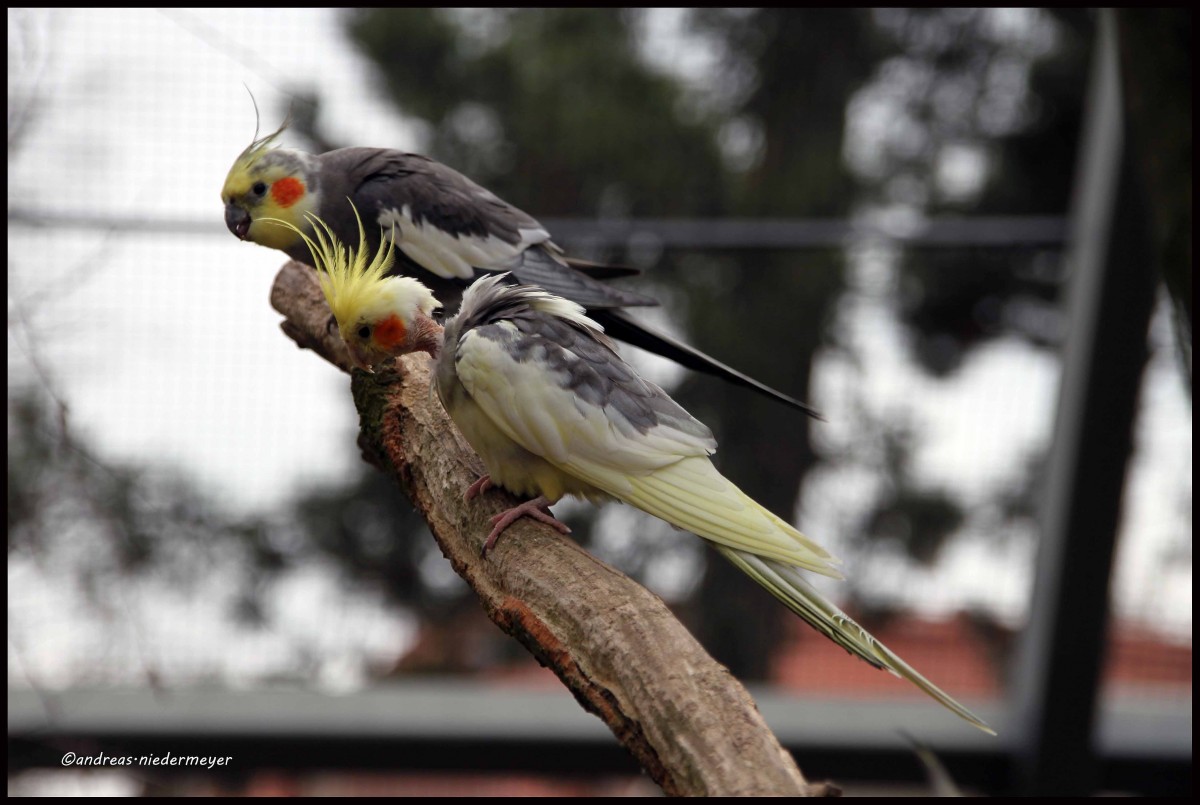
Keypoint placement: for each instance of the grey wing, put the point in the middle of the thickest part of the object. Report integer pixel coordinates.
(451, 226)
(587, 366)
(539, 267)
(384, 180)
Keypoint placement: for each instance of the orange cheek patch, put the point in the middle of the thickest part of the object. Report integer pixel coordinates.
(390, 333)
(287, 192)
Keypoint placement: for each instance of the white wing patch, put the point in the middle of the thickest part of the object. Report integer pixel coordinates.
(448, 255)
(533, 237)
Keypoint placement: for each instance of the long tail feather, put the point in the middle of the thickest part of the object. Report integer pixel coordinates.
(618, 324)
(692, 494)
(602, 271)
(786, 584)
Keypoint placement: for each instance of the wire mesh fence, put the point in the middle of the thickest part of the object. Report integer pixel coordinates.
(145, 365)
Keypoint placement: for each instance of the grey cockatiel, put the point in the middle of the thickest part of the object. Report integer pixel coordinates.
(448, 231)
(537, 389)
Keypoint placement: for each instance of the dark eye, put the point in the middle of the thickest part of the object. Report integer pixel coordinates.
(439, 315)
(364, 332)
(259, 188)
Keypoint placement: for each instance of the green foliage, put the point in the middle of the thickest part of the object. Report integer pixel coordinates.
(1014, 96)
(920, 520)
(550, 109)
(106, 521)
(374, 534)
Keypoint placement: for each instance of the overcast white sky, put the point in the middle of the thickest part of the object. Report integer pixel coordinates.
(167, 352)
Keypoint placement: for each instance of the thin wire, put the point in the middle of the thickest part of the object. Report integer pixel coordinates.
(219, 42)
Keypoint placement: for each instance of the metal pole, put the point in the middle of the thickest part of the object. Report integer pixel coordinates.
(1109, 302)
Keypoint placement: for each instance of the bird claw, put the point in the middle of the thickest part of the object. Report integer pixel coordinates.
(538, 509)
(478, 488)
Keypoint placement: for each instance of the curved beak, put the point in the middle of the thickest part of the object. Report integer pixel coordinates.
(360, 359)
(238, 221)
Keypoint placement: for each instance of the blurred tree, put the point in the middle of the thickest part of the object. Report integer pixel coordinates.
(564, 112)
(106, 523)
(374, 535)
(59, 494)
(109, 525)
(560, 112)
(551, 109)
(987, 107)
(571, 112)
(978, 112)
(766, 311)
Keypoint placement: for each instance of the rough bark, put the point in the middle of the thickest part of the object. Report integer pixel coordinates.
(616, 646)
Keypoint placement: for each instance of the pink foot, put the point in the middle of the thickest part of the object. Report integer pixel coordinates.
(537, 508)
(478, 488)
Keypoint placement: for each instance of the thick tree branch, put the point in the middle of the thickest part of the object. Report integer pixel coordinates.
(615, 645)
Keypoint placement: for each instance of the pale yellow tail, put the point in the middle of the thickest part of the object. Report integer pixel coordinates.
(691, 494)
(785, 583)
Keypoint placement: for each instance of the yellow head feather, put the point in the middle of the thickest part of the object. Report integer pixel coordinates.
(257, 150)
(354, 283)
(348, 278)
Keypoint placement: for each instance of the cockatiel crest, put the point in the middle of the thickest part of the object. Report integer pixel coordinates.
(378, 316)
(268, 182)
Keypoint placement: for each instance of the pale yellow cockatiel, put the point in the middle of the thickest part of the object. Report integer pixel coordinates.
(539, 392)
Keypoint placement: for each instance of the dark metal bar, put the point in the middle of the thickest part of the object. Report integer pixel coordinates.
(694, 233)
(734, 233)
(1109, 304)
(449, 725)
